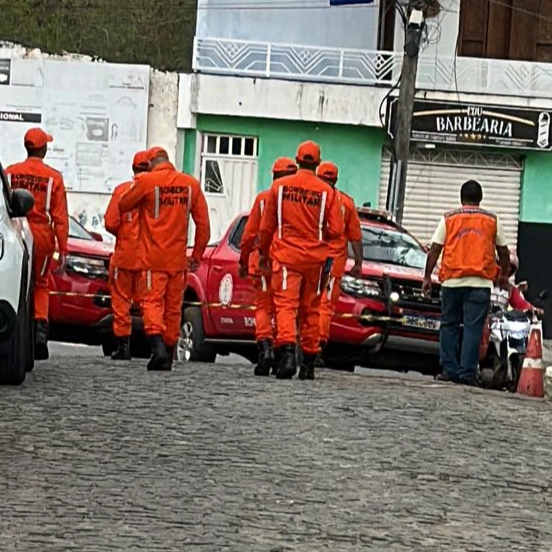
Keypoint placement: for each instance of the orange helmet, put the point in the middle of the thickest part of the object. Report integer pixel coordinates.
(141, 161)
(308, 152)
(328, 171)
(284, 165)
(156, 151)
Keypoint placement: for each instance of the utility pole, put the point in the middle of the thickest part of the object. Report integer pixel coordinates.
(401, 146)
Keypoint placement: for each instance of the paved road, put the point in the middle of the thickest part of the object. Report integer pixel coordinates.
(97, 457)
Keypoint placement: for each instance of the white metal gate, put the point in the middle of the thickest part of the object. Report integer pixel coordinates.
(229, 169)
(434, 181)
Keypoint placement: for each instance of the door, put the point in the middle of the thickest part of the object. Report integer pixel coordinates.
(434, 181)
(232, 298)
(229, 166)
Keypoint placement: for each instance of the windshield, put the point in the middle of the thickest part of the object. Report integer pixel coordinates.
(78, 231)
(389, 246)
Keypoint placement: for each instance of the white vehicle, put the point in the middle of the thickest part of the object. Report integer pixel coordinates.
(16, 288)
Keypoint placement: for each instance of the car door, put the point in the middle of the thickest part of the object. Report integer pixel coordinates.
(231, 298)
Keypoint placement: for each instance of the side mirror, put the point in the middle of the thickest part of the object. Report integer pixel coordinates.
(97, 236)
(22, 201)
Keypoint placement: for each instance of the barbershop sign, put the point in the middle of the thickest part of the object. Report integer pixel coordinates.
(485, 125)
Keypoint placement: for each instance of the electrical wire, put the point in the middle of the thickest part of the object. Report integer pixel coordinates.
(386, 97)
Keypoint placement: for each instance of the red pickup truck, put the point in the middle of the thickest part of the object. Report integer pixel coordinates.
(80, 303)
(381, 319)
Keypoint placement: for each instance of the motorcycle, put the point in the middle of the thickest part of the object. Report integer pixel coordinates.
(504, 345)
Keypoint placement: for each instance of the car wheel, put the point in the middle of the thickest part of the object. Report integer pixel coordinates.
(13, 352)
(191, 345)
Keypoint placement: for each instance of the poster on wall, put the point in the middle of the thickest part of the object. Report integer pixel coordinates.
(96, 112)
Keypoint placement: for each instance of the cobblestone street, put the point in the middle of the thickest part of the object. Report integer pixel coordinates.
(98, 457)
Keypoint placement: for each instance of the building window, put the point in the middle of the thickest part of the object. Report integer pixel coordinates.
(216, 148)
(212, 181)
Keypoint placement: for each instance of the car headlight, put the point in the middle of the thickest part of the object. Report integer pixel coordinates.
(86, 266)
(360, 288)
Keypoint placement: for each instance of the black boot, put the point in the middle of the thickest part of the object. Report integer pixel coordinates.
(266, 358)
(306, 371)
(41, 340)
(288, 363)
(320, 361)
(123, 349)
(160, 360)
(277, 358)
(170, 352)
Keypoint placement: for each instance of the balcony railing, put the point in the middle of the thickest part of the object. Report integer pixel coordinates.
(370, 68)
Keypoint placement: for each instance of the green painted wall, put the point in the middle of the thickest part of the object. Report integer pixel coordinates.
(356, 150)
(536, 192)
(188, 162)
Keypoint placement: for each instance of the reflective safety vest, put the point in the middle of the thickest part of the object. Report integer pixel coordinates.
(469, 249)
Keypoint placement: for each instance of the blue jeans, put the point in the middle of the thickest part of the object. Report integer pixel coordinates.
(469, 306)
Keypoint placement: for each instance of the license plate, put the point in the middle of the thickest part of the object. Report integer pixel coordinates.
(422, 322)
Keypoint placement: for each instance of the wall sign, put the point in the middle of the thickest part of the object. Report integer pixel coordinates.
(96, 112)
(485, 125)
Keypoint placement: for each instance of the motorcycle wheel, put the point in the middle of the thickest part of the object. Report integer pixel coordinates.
(517, 365)
(494, 374)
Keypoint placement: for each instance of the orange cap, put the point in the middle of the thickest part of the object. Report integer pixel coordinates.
(308, 152)
(141, 159)
(157, 152)
(284, 165)
(327, 171)
(36, 138)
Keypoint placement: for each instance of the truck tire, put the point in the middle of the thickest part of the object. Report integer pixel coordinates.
(191, 344)
(14, 351)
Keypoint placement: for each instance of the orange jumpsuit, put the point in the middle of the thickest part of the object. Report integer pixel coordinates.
(48, 220)
(124, 268)
(261, 278)
(166, 198)
(339, 252)
(301, 213)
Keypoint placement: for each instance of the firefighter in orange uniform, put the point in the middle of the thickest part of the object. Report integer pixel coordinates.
(165, 198)
(249, 263)
(124, 268)
(339, 252)
(48, 220)
(301, 214)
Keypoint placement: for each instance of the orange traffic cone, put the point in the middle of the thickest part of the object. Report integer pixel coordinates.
(531, 381)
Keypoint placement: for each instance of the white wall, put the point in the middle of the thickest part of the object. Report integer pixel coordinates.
(290, 100)
(274, 99)
(162, 113)
(310, 22)
(163, 104)
(89, 209)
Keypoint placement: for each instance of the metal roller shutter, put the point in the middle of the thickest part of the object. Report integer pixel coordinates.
(434, 181)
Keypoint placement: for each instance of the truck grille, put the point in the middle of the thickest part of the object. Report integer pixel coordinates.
(411, 296)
